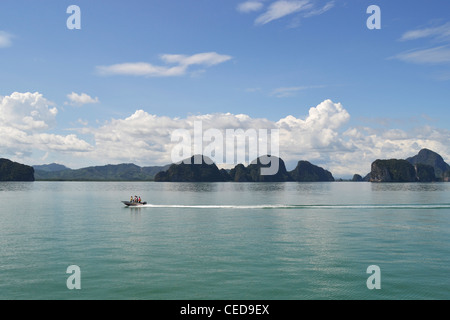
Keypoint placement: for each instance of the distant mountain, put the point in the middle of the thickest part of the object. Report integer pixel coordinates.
(121, 172)
(307, 172)
(204, 172)
(426, 166)
(197, 169)
(13, 171)
(425, 173)
(53, 167)
(431, 158)
(392, 170)
(252, 173)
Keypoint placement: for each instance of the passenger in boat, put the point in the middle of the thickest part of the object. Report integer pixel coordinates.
(139, 199)
(131, 199)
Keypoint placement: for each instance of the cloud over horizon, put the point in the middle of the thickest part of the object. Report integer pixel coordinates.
(322, 136)
(25, 123)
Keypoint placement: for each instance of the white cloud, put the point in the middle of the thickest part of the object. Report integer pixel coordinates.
(434, 55)
(440, 32)
(368, 144)
(250, 6)
(328, 6)
(291, 91)
(322, 137)
(144, 138)
(81, 99)
(27, 111)
(141, 69)
(25, 119)
(182, 63)
(206, 59)
(282, 8)
(5, 39)
(437, 55)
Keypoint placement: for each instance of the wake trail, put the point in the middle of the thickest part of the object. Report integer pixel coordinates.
(303, 207)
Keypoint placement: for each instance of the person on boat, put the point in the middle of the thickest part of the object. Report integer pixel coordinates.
(131, 199)
(139, 199)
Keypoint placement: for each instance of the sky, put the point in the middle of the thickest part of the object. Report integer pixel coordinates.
(341, 94)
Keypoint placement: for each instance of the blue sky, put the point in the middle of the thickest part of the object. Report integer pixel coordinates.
(176, 60)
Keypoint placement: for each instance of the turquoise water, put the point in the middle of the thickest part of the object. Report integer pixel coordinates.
(225, 240)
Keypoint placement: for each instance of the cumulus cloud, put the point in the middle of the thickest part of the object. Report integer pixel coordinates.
(143, 136)
(81, 99)
(5, 39)
(322, 136)
(25, 119)
(180, 63)
(319, 130)
(27, 111)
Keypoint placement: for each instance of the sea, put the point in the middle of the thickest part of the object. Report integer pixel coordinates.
(225, 241)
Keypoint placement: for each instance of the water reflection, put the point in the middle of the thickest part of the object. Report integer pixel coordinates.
(189, 186)
(16, 186)
(217, 186)
(417, 187)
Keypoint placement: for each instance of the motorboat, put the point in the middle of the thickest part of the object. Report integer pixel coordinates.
(134, 204)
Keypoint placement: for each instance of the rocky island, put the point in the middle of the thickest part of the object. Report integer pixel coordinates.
(427, 166)
(198, 169)
(13, 171)
(206, 171)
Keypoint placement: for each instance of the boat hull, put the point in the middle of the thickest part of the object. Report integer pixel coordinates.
(134, 204)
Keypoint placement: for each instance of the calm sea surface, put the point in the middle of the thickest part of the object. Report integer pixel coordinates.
(225, 240)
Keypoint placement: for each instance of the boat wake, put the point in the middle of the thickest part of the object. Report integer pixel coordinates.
(305, 207)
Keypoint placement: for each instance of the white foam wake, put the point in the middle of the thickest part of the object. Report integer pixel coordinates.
(304, 207)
